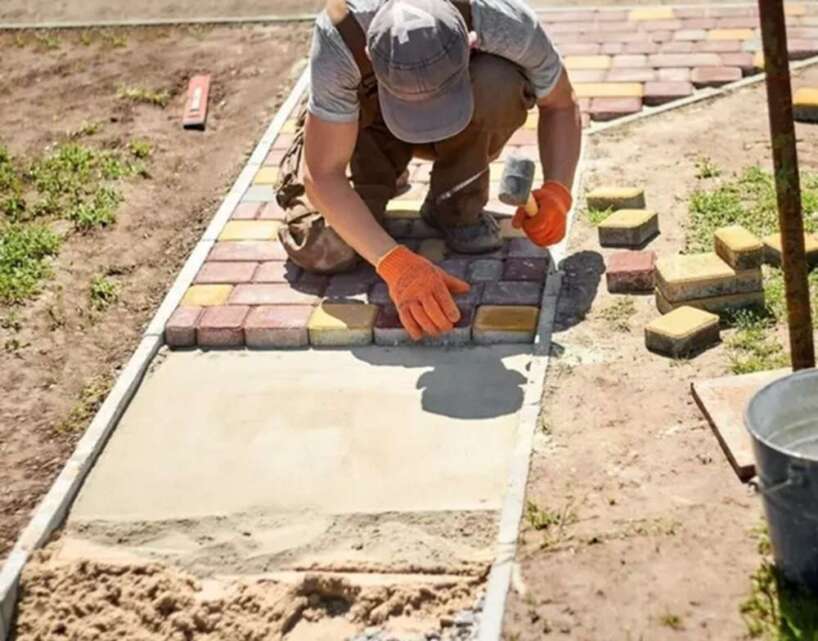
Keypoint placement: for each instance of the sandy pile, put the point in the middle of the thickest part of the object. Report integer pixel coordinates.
(86, 601)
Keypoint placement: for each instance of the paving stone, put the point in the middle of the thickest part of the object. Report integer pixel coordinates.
(472, 297)
(714, 76)
(723, 47)
(651, 13)
(353, 285)
(805, 104)
(608, 89)
(222, 326)
(379, 295)
(629, 61)
(616, 198)
(603, 109)
(524, 248)
(512, 293)
(206, 295)
(180, 330)
(277, 271)
(630, 272)
(270, 294)
(673, 74)
(389, 331)
(259, 194)
(695, 276)
(742, 60)
(587, 62)
(311, 283)
(433, 249)
(529, 269)
(730, 34)
(266, 176)
(684, 60)
(256, 251)
(772, 249)
(658, 93)
(340, 324)
(682, 332)
(482, 270)
(225, 272)
(739, 248)
(274, 157)
(457, 267)
(690, 34)
(505, 324)
(580, 49)
(628, 228)
(250, 230)
(508, 231)
(277, 326)
(398, 227)
(246, 211)
(677, 46)
(639, 47)
(271, 211)
(283, 141)
(629, 75)
(403, 208)
(587, 75)
(715, 304)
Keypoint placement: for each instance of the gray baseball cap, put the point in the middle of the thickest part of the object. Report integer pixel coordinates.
(420, 55)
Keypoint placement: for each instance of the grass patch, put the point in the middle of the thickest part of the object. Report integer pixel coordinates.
(777, 610)
(90, 398)
(705, 168)
(103, 292)
(618, 314)
(749, 200)
(551, 523)
(24, 253)
(142, 95)
(753, 348)
(672, 621)
(140, 148)
(596, 216)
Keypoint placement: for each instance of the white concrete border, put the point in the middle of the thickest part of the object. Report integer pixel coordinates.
(52, 508)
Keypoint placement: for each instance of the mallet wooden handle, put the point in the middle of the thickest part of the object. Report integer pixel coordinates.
(531, 207)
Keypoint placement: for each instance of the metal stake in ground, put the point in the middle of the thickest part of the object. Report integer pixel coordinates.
(787, 182)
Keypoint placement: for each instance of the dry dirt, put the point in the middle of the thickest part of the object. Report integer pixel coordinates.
(48, 92)
(89, 601)
(657, 543)
(26, 11)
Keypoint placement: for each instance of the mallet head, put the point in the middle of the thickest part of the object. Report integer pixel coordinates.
(517, 180)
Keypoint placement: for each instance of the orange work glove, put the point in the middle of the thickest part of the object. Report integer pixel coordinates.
(547, 227)
(421, 291)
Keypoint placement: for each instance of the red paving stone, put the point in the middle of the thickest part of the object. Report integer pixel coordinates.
(533, 269)
(180, 330)
(657, 93)
(246, 211)
(276, 326)
(222, 326)
(511, 293)
(630, 271)
(226, 272)
(714, 76)
(612, 108)
(277, 271)
(243, 250)
(270, 294)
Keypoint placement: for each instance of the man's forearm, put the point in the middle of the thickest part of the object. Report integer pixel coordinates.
(349, 216)
(559, 134)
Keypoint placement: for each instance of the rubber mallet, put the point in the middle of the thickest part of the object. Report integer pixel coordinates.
(516, 182)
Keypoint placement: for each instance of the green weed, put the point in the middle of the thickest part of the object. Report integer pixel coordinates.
(103, 292)
(706, 169)
(90, 398)
(47, 41)
(551, 522)
(618, 314)
(596, 216)
(140, 148)
(24, 252)
(86, 129)
(753, 348)
(157, 98)
(672, 621)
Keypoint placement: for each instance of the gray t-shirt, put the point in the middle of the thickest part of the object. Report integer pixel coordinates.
(506, 28)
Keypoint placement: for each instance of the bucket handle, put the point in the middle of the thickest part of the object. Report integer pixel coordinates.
(796, 477)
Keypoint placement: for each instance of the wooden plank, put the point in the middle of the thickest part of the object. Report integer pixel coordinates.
(198, 91)
(723, 401)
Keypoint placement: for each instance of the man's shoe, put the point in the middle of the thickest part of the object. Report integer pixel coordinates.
(480, 238)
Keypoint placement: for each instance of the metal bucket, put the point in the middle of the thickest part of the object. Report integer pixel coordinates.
(782, 419)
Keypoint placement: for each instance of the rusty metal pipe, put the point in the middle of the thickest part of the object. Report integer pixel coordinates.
(787, 182)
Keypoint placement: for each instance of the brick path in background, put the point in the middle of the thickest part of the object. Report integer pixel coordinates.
(619, 61)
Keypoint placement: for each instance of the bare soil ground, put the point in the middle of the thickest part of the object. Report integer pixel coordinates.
(638, 528)
(61, 355)
(25, 11)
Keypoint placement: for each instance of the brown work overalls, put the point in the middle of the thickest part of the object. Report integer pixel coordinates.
(502, 97)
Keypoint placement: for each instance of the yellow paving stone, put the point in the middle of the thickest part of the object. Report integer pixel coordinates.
(403, 209)
(794, 10)
(433, 249)
(337, 324)
(266, 176)
(507, 231)
(805, 104)
(758, 59)
(772, 249)
(628, 228)
(288, 128)
(609, 89)
(587, 62)
(206, 295)
(651, 13)
(250, 230)
(532, 119)
(683, 331)
(738, 247)
(730, 34)
(607, 197)
(505, 324)
(694, 276)
(715, 304)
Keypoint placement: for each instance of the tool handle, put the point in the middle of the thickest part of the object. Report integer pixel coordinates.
(531, 207)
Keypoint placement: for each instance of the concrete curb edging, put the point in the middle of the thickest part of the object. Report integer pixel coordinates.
(51, 510)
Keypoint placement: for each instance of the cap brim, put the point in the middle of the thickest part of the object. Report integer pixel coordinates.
(432, 120)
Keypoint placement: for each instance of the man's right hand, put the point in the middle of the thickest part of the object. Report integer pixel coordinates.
(422, 292)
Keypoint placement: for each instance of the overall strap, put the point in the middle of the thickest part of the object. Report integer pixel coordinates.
(464, 7)
(355, 39)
